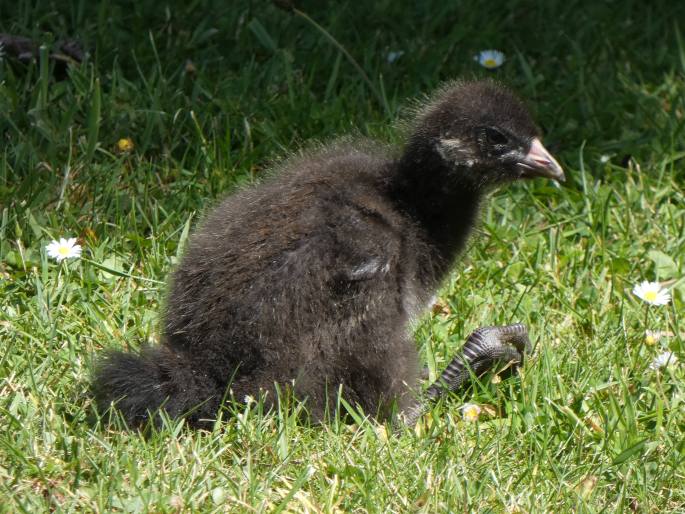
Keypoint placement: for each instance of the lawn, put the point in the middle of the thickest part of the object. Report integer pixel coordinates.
(208, 95)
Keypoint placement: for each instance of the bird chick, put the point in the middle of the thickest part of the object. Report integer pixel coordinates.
(310, 279)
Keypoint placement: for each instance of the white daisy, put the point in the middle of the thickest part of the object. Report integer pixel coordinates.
(470, 412)
(218, 495)
(393, 56)
(663, 360)
(490, 59)
(652, 336)
(652, 293)
(63, 249)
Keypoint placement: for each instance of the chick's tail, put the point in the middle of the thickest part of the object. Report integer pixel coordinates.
(154, 380)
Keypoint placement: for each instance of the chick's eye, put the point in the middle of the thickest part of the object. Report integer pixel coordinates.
(495, 137)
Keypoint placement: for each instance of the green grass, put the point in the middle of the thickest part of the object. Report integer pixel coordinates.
(587, 427)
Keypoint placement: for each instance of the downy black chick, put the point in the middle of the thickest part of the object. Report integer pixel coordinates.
(310, 279)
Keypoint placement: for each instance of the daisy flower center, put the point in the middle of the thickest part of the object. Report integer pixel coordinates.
(490, 62)
(63, 250)
(650, 296)
(471, 413)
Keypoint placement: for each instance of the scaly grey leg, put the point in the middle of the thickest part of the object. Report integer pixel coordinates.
(482, 349)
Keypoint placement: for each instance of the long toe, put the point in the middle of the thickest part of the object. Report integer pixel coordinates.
(516, 334)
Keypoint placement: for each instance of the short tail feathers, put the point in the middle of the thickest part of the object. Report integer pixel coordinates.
(156, 379)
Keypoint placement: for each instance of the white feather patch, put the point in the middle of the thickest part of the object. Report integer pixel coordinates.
(450, 149)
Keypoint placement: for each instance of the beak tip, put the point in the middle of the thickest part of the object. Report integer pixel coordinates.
(559, 175)
(540, 159)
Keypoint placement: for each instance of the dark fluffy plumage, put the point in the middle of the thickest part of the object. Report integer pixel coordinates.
(311, 278)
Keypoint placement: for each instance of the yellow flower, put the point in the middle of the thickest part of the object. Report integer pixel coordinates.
(652, 293)
(470, 412)
(125, 144)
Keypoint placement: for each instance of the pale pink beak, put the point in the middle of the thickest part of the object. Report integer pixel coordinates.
(540, 163)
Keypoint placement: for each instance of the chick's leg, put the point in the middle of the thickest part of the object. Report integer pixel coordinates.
(483, 348)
